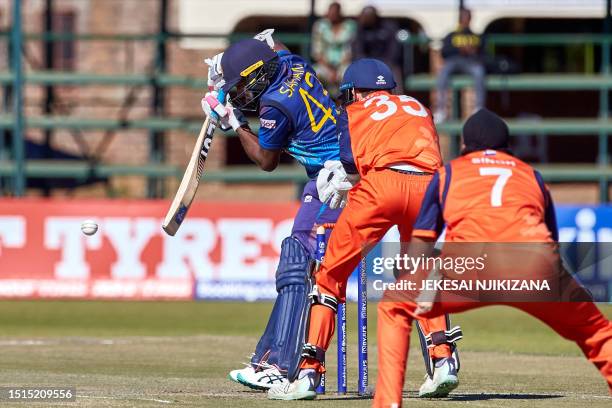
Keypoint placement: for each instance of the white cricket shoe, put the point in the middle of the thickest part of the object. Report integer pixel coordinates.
(443, 382)
(261, 379)
(245, 372)
(304, 388)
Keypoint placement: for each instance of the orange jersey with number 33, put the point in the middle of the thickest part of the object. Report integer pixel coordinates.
(390, 129)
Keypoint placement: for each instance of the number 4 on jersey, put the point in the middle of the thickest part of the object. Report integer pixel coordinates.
(327, 112)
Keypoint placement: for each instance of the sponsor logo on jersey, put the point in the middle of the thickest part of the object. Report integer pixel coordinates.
(308, 198)
(268, 123)
(380, 80)
(487, 160)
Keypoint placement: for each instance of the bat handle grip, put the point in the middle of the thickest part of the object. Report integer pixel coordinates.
(221, 99)
(221, 96)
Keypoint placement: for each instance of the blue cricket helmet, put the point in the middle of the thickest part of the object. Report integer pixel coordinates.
(247, 65)
(368, 73)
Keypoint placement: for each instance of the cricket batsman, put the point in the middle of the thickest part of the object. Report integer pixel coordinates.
(488, 197)
(391, 142)
(297, 116)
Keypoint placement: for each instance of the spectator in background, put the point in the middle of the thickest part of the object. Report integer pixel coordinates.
(463, 52)
(376, 38)
(331, 46)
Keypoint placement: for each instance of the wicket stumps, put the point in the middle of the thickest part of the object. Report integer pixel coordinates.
(362, 324)
(362, 318)
(319, 254)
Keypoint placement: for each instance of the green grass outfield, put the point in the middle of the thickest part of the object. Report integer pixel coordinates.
(126, 354)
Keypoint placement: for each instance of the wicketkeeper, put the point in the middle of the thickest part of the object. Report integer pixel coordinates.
(390, 142)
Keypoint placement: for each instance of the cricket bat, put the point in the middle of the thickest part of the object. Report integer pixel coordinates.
(191, 179)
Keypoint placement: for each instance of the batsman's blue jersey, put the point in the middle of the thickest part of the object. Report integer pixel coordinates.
(298, 115)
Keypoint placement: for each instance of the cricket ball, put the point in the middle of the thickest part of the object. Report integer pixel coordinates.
(89, 227)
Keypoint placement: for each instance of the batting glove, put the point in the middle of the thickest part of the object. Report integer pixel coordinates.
(229, 117)
(333, 184)
(215, 76)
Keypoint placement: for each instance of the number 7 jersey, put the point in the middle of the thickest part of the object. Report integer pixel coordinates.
(383, 129)
(487, 196)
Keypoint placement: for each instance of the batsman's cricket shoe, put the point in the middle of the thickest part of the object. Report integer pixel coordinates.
(263, 378)
(444, 380)
(304, 388)
(244, 372)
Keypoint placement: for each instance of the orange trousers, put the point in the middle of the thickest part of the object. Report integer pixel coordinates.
(382, 199)
(581, 322)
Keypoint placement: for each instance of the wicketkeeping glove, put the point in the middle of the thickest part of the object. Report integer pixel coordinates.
(333, 184)
(229, 117)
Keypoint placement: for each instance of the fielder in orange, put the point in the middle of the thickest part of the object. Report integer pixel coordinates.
(391, 142)
(488, 196)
